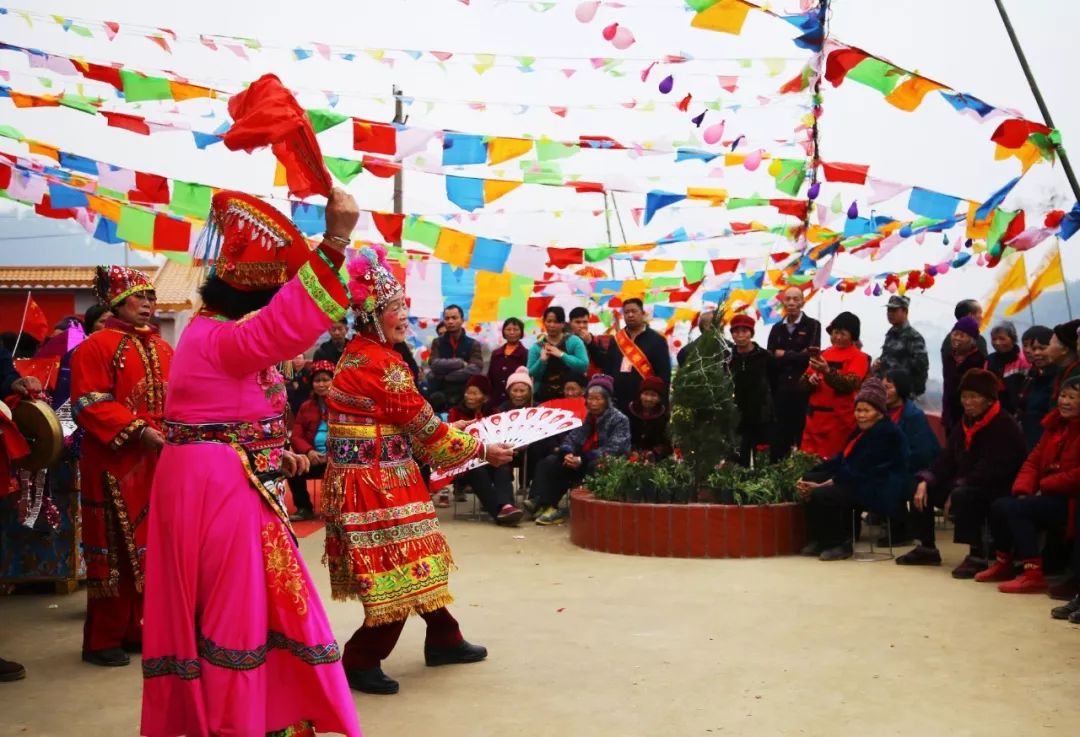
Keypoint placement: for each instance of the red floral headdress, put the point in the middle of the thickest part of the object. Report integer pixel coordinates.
(113, 284)
(371, 284)
(317, 366)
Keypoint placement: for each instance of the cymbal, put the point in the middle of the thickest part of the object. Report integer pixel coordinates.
(39, 425)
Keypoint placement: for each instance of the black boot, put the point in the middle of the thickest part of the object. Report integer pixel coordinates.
(812, 549)
(11, 671)
(371, 680)
(112, 657)
(463, 653)
(1066, 610)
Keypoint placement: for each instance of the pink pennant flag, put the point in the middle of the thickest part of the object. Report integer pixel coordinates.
(238, 49)
(881, 190)
(118, 180)
(821, 278)
(728, 82)
(208, 43)
(323, 49)
(1030, 238)
(636, 213)
(568, 73)
(560, 111)
(111, 29)
(442, 55)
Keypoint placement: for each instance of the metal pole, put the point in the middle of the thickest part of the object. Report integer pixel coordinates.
(1038, 97)
(1064, 281)
(622, 230)
(399, 175)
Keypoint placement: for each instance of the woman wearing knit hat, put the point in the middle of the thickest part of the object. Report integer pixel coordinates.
(832, 379)
(473, 401)
(869, 472)
(965, 356)
(519, 390)
(605, 432)
(977, 466)
(649, 420)
(750, 371)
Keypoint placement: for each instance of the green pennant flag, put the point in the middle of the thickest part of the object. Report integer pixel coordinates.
(178, 256)
(138, 87)
(345, 170)
(517, 303)
(791, 176)
(881, 75)
(8, 132)
(694, 270)
(78, 102)
(551, 150)
(998, 226)
(592, 255)
(737, 203)
(420, 231)
(542, 172)
(324, 119)
(191, 199)
(136, 226)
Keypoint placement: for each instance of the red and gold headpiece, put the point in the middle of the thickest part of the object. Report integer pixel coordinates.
(317, 366)
(251, 244)
(113, 284)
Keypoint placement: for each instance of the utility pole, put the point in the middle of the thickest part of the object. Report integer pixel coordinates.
(399, 175)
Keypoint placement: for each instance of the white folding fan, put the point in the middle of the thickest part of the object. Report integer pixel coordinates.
(516, 427)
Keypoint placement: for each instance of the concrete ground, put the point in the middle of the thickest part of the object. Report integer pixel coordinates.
(591, 644)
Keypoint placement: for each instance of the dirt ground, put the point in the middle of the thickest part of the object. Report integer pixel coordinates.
(591, 644)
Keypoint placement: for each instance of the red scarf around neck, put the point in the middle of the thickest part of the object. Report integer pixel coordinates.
(594, 438)
(895, 414)
(853, 442)
(979, 424)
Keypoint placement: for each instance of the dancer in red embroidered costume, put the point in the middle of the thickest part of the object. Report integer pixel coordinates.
(237, 642)
(383, 543)
(118, 381)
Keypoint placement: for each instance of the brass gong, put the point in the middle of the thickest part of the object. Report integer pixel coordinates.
(39, 425)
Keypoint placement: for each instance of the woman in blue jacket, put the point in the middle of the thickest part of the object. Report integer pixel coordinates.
(870, 472)
(556, 356)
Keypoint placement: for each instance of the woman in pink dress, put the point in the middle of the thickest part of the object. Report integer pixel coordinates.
(236, 640)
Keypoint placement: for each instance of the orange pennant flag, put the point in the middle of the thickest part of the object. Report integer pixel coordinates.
(1015, 279)
(726, 16)
(1050, 276)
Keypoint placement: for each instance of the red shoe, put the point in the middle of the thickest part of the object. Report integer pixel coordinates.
(1000, 570)
(1031, 581)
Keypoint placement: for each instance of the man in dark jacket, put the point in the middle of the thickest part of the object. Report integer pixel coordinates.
(1036, 394)
(332, 349)
(790, 342)
(705, 321)
(904, 347)
(977, 466)
(637, 352)
(454, 358)
(965, 356)
(750, 373)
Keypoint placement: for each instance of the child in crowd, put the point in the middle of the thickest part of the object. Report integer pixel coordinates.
(649, 420)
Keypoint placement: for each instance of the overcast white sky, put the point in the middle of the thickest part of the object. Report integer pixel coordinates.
(960, 42)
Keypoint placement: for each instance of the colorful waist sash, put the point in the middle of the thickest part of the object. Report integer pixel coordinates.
(356, 440)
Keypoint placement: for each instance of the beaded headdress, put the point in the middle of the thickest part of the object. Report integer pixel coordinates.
(371, 285)
(113, 284)
(324, 365)
(249, 243)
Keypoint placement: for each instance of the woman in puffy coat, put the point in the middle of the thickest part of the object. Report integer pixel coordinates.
(832, 379)
(309, 437)
(1043, 496)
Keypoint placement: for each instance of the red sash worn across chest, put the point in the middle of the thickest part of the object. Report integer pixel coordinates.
(632, 353)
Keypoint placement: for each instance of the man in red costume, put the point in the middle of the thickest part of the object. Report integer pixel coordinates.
(118, 382)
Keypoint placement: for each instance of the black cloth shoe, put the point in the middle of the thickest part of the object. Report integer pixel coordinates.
(1075, 617)
(463, 653)
(1066, 610)
(371, 680)
(812, 549)
(840, 552)
(112, 657)
(11, 671)
(132, 647)
(969, 567)
(302, 515)
(1065, 590)
(920, 556)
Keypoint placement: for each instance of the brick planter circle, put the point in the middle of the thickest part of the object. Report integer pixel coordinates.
(686, 530)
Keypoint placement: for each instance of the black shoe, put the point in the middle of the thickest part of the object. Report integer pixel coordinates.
(920, 556)
(11, 671)
(463, 653)
(371, 680)
(812, 549)
(840, 552)
(969, 567)
(302, 515)
(112, 657)
(132, 647)
(1066, 610)
(1065, 590)
(1075, 617)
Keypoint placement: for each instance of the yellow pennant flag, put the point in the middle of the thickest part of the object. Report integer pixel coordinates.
(726, 16)
(504, 149)
(1015, 279)
(1051, 275)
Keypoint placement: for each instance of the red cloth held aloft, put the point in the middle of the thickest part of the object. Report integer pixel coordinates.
(266, 114)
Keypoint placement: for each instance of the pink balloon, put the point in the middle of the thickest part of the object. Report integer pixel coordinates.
(624, 39)
(714, 133)
(753, 161)
(609, 31)
(587, 10)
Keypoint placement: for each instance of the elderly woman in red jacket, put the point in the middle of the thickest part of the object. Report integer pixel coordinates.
(1043, 496)
(309, 437)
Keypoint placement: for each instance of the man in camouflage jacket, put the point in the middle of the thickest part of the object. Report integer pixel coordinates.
(904, 347)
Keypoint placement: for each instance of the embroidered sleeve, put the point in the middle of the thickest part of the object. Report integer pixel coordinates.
(843, 383)
(133, 430)
(94, 404)
(438, 443)
(325, 286)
